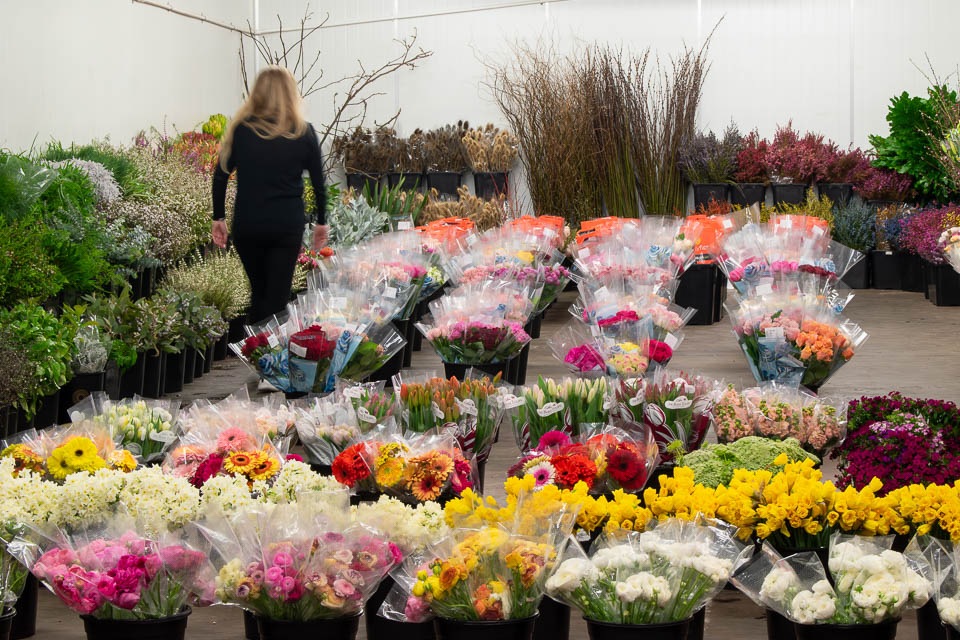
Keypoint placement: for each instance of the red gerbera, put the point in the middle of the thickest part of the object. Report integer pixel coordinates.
(572, 468)
(207, 469)
(349, 467)
(627, 467)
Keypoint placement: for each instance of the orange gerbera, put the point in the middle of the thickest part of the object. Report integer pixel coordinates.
(264, 467)
(426, 487)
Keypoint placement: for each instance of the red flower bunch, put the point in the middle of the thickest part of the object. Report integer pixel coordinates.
(817, 271)
(572, 468)
(349, 467)
(627, 466)
(207, 469)
(660, 351)
(252, 344)
(622, 316)
(313, 342)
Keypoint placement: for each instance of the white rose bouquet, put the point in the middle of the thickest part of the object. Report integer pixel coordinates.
(659, 576)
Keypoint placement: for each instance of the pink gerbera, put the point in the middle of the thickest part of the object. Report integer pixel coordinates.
(235, 439)
(543, 473)
(553, 439)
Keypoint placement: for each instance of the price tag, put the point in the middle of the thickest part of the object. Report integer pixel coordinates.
(671, 341)
(354, 392)
(163, 436)
(298, 350)
(468, 407)
(471, 240)
(727, 223)
(774, 332)
(390, 293)
(404, 225)
(511, 401)
(273, 341)
(338, 302)
(437, 413)
(366, 416)
(680, 402)
(609, 403)
(549, 409)
(602, 293)
(817, 230)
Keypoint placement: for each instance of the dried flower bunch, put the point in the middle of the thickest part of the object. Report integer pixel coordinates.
(364, 151)
(485, 214)
(408, 154)
(443, 148)
(491, 149)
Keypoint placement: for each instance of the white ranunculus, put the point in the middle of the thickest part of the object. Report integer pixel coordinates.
(808, 607)
(570, 574)
(949, 609)
(776, 585)
(627, 592)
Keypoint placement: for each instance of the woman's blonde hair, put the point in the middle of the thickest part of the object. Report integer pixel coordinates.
(273, 109)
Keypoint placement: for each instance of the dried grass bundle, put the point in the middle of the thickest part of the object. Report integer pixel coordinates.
(443, 148)
(366, 152)
(485, 214)
(491, 149)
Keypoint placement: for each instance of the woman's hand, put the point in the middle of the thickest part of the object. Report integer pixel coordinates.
(320, 233)
(220, 233)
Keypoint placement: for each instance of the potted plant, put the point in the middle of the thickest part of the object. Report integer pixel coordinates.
(844, 170)
(881, 187)
(750, 176)
(793, 163)
(491, 153)
(709, 164)
(925, 235)
(15, 375)
(884, 259)
(854, 226)
(89, 368)
(445, 157)
(912, 239)
(114, 318)
(407, 162)
(149, 329)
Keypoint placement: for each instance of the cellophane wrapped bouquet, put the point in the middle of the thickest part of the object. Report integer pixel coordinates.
(578, 349)
(771, 410)
(298, 562)
(490, 573)
(145, 428)
(264, 350)
(556, 405)
(604, 458)
(114, 571)
(269, 418)
(865, 583)
(471, 409)
(675, 405)
(371, 402)
(59, 452)
(479, 323)
(949, 243)
(326, 426)
(943, 576)
(661, 575)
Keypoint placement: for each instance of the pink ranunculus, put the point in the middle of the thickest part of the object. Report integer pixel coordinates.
(282, 559)
(396, 553)
(416, 609)
(343, 588)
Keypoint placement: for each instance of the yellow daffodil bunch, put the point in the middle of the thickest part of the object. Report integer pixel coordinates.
(929, 510)
(679, 497)
(626, 512)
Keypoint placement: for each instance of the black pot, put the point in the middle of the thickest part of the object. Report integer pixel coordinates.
(445, 182)
(190, 364)
(153, 375)
(698, 624)
(553, 623)
(418, 313)
(519, 374)
(883, 631)
(295, 395)
(250, 629)
(460, 370)
(943, 286)
(220, 348)
(131, 380)
(198, 364)
(704, 192)
(79, 387)
(208, 358)
(25, 622)
(235, 330)
(885, 270)
(911, 272)
(858, 276)
(360, 180)
(948, 632)
(698, 289)
(927, 270)
(610, 631)
(411, 181)
(6, 622)
(136, 284)
(172, 628)
(407, 350)
(744, 194)
(791, 193)
(48, 411)
(379, 628)
(535, 323)
(5, 413)
(881, 204)
(322, 469)
(364, 496)
(719, 296)
(22, 421)
(778, 627)
(175, 372)
(148, 282)
(838, 192)
(344, 628)
(490, 185)
(929, 626)
(472, 630)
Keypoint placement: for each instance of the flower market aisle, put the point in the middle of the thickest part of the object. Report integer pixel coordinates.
(912, 348)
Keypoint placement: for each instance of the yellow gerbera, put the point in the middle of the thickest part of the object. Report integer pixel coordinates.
(390, 472)
(265, 466)
(239, 462)
(81, 453)
(58, 465)
(123, 460)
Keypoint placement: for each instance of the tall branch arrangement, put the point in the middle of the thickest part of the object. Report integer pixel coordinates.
(351, 93)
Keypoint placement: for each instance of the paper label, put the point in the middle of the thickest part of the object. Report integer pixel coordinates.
(511, 401)
(471, 240)
(727, 224)
(468, 407)
(635, 400)
(366, 416)
(437, 413)
(163, 436)
(817, 230)
(338, 302)
(888, 253)
(298, 350)
(353, 392)
(403, 225)
(549, 409)
(602, 293)
(774, 332)
(272, 340)
(390, 293)
(680, 402)
(609, 403)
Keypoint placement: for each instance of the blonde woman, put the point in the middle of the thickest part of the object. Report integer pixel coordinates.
(269, 144)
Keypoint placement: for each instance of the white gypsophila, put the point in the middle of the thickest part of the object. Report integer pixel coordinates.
(570, 574)
(158, 500)
(105, 187)
(949, 609)
(85, 499)
(809, 607)
(297, 477)
(776, 585)
(228, 493)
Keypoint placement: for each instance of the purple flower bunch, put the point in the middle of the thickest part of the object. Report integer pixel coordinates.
(920, 233)
(478, 342)
(884, 184)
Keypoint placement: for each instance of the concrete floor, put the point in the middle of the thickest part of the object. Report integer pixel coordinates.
(913, 348)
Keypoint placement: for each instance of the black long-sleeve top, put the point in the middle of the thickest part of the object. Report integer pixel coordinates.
(270, 182)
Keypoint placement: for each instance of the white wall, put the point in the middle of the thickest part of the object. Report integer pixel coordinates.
(75, 71)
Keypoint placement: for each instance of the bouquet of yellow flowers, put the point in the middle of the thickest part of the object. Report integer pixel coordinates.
(58, 452)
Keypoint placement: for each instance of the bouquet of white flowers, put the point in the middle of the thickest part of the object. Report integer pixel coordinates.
(145, 428)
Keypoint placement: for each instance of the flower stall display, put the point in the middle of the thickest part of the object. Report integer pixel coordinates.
(145, 428)
(661, 576)
(949, 244)
(569, 406)
(774, 411)
(676, 406)
(306, 570)
(871, 585)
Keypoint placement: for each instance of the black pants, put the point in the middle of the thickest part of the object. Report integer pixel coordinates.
(269, 261)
